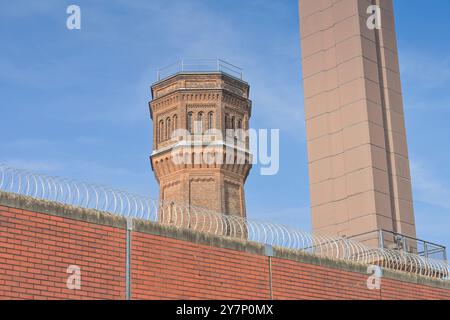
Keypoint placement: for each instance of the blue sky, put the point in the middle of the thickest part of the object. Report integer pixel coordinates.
(74, 103)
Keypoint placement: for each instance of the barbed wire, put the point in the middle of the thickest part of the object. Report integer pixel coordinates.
(102, 198)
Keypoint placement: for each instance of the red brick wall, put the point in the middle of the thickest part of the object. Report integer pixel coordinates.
(296, 280)
(36, 249)
(169, 268)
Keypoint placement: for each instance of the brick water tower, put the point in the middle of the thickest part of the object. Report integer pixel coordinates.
(200, 110)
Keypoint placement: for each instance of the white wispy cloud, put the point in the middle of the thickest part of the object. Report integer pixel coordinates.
(32, 165)
(425, 79)
(427, 69)
(429, 187)
(23, 9)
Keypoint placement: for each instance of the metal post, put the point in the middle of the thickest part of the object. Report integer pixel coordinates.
(268, 250)
(404, 244)
(270, 279)
(381, 239)
(425, 249)
(182, 65)
(128, 259)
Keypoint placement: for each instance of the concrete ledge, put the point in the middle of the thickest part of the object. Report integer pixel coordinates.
(12, 200)
(101, 218)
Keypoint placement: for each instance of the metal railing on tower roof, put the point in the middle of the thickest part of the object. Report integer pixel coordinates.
(398, 241)
(199, 66)
(122, 203)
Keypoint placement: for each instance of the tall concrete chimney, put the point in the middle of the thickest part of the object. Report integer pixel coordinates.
(357, 151)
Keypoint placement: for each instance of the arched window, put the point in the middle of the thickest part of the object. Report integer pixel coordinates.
(239, 124)
(247, 138)
(227, 121)
(232, 123)
(210, 120)
(189, 122)
(200, 122)
(161, 131)
(168, 128)
(175, 124)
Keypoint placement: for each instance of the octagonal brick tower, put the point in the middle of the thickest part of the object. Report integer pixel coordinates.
(203, 105)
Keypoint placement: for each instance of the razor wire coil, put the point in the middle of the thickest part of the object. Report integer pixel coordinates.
(102, 198)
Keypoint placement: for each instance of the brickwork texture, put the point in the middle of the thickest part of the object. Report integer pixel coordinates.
(39, 241)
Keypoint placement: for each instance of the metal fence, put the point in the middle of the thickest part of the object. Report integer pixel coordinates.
(106, 199)
(199, 65)
(396, 241)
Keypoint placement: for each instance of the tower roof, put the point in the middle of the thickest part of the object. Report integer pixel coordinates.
(200, 80)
